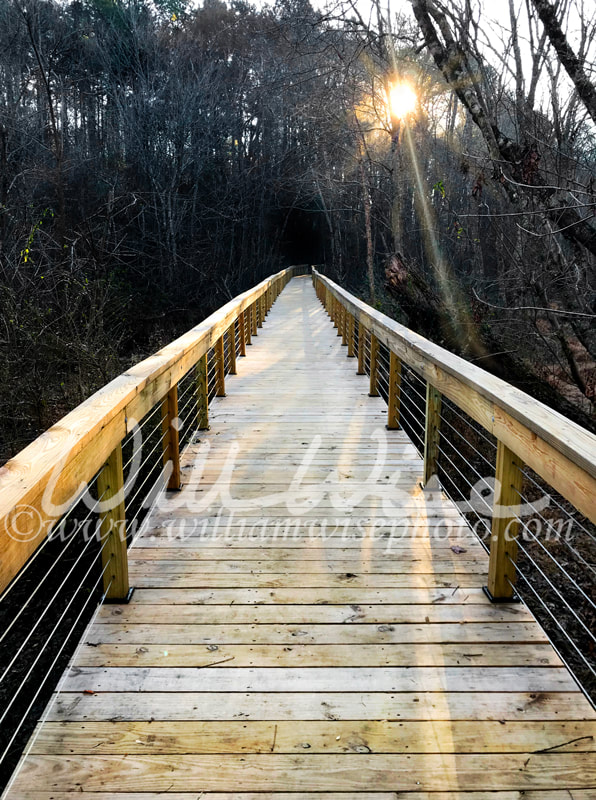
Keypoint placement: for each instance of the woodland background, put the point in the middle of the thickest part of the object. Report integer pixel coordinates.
(157, 158)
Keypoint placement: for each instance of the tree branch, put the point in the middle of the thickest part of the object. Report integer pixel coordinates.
(569, 60)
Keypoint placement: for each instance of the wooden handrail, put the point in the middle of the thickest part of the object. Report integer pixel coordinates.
(527, 431)
(54, 468)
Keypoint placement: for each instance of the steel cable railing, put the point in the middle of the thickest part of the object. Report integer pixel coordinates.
(551, 561)
(47, 603)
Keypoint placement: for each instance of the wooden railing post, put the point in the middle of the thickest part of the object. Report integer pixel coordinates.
(202, 394)
(432, 432)
(261, 312)
(242, 331)
(220, 368)
(254, 313)
(350, 335)
(374, 366)
(340, 319)
(505, 526)
(171, 436)
(114, 555)
(248, 317)
(394, 398)
(361, 337)
(232, 346)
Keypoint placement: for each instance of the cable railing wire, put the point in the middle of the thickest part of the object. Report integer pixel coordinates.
(54, 662)
(68, 573)
(466, 464)
(553, 498)
(53, 566)
(560, 627)
(44, 545)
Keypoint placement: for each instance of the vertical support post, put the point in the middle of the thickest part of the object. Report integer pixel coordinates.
(432, 432)
(350, 336)
(374, 366)
(261, 313)
(232, 346)
(340, 319)
(248, 319)
(202, 394)
(114, 556)
(344, 326)
(253, 312)
(361, 336)
(220, 368)
(394, 399)
(242, 331)
(505, 527)
(335, 315)
(171, 437)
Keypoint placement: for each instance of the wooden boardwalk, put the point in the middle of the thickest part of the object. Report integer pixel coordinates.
(301, 623)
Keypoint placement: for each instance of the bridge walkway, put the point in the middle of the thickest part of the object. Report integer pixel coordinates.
(307, 622)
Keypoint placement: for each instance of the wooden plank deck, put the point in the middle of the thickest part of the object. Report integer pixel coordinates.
(301, 626)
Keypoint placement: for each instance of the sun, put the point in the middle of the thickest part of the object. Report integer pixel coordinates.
(402, 100)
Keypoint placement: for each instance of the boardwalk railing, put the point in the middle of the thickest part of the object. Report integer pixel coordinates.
(499, 454)
(43, 481)
(72, 501)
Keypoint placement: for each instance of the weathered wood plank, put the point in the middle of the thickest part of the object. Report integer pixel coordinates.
(304, 614)
(273, 772)
(318, 679)
(346, 633)
(316, 655)
(202, 580)
(578, 794)
(283, 596)
(510, 705)
(308, 547)
(376, 736)
(431, 565)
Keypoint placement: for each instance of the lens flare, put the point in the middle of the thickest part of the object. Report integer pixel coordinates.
(402, 100)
